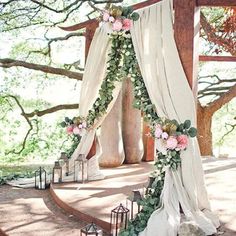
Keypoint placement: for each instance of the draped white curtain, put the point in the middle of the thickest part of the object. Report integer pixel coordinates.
(169, 91)
(94, 74)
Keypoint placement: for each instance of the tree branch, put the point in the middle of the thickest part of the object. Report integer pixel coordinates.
(7, 63)
(27, 117)
(52, 40)
(27, 120)
(232, 127)
(52, 109)
(55, 10)
(222, 100)
(212, 36)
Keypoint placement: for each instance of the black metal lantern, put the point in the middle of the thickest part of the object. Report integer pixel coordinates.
(91, 229)
(81, 169)
(119, 219)
(64, 160)
(134, 202)
(57, 173)
(40, 179)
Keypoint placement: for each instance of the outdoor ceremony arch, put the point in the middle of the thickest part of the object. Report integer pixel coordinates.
(148, 56)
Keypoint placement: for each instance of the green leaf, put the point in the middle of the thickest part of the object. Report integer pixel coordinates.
(63, 124)
(67, 119)
(135, 16)
(192, 132)
(187, 124)
(180, 128)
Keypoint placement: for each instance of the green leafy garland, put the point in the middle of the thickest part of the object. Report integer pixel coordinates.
(172, 159)
(123, 64)
(114, 74)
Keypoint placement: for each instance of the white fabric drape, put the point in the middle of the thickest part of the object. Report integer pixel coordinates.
(94, 74)
(169, 91)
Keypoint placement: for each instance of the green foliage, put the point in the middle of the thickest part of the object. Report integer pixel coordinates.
(46, 140)
(114, 74)
(221, 122)
(8, 173)
(75, 139)
(128, 64)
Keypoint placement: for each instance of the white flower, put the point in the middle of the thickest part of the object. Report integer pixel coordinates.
(160, 146)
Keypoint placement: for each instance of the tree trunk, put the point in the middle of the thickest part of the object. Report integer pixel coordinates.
(131, 126)
(204, 121)
(111, 138)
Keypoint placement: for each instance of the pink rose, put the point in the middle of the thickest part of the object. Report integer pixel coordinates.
(127, 24)
(164, 135)
(80, 126)
(171, 143)
(117, 25)
(105, 16)
(111, 19)
(158, 131)
(182, 141)
(77, 131)
(69, 129)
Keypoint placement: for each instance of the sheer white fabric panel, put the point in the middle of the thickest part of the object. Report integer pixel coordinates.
(95, 70)
(169, 91)
(94, 74)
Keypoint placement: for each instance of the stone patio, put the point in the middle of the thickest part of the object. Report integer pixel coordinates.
(29, 212)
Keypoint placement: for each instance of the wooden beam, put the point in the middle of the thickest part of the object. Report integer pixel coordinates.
(186, 29)
(217, 58)
(216, 3)
(89, 33)
(79, 26)
(92, 21)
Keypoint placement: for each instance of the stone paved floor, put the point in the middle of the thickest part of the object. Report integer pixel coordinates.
(28, 212)
(220, 178)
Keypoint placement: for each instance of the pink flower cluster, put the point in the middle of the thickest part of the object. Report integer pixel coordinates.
(76, 129)
(117, 24)
(172, 142)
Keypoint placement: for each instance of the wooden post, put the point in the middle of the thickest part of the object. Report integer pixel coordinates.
(148, 143)
(186, 30)
(89, 33)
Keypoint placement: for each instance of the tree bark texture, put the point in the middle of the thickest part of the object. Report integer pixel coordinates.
(204, 121)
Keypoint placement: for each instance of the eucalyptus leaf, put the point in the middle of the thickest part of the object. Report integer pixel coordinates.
(135, 16)
(187, 124)
(192, 132)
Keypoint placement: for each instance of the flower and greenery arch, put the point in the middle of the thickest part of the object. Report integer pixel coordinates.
(171, 135)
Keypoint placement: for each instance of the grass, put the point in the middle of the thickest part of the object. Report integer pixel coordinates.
(8, 172)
